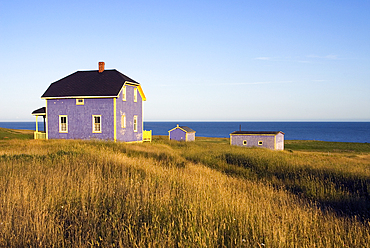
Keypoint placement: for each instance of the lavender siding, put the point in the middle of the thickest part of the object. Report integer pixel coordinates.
(191, 137)
(129, 108)
(80, 122)
(252, 141)
(177, 134)
(80, 118)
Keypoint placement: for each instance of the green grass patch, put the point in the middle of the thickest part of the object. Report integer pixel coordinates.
(323, 146)
(7, 134)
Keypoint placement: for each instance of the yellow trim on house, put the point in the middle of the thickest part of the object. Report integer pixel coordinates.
(93, 124)
(60, 124)
(139, 88)
(141, 93)
(135, 94)
(78, 101)
(114, 119)
(124, 95)
(37, 125)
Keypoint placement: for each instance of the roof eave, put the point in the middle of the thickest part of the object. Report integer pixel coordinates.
(75, 97)
(257, 133)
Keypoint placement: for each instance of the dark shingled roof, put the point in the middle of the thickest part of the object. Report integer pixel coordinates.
(88, 83)
(187, 129)
(257, 132)
(39, 111)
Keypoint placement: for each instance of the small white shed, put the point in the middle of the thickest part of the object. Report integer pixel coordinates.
(268, 139)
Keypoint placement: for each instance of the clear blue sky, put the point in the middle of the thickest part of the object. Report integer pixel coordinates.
(196, 60)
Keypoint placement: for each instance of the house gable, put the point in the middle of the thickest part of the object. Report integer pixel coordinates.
(138, 86)
(126, 110)
(181, 133)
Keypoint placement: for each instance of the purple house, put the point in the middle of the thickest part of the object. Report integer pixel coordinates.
(272, 140)
(97, 104)
(181, 133)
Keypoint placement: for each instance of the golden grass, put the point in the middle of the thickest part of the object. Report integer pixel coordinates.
(82, 194)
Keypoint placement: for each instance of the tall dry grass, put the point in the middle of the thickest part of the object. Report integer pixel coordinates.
(340, 181)
(83, 194)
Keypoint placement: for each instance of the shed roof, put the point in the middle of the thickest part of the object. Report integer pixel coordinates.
(89, 84)
(256, 132)
(184, 128)
(187, 129)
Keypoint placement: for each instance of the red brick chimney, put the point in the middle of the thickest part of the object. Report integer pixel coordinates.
(101, 67)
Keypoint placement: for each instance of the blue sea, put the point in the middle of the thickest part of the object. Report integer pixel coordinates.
(324, 131)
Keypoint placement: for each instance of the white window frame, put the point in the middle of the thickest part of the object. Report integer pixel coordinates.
(63, 127)
(124, 93)
(96, 127)
(123, 121)
(260, 142)
(135, 124)
(80, 101)
(135, 94)
(245, 142)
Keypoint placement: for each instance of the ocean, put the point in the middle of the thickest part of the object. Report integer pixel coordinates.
(324, 131)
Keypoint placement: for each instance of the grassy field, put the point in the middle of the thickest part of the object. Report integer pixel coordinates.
(61, 193)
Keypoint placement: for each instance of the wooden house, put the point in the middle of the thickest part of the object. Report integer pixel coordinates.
(268, 139)
(181, 133)
(97, 104)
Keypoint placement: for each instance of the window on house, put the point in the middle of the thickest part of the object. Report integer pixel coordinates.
(135, 123)
(123, 121)
(244, 142)
(135, 95)
(80, 102)
(96, 123)
(260, 143)
(124, 93)
(63, 123)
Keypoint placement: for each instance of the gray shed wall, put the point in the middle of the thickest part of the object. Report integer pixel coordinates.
(268, 141)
